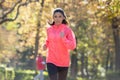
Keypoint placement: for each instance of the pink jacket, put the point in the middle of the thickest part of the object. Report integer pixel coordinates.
(58, 47)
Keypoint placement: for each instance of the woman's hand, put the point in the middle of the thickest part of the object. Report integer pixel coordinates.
(43, 62)
(44, 47)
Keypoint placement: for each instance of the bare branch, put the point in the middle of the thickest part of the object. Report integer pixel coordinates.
(2, 1)
(10, 10)
(4, 17)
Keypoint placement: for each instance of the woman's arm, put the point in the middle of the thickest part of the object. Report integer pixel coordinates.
(69, 39)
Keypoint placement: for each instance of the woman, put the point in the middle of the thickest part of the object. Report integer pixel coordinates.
(60, 39)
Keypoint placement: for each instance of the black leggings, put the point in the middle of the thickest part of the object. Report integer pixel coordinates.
(56, 72)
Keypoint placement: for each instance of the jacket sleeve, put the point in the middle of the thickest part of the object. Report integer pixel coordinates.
(47, 42)
(69, 39)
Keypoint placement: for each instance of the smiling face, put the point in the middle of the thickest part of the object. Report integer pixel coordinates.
(58, 18)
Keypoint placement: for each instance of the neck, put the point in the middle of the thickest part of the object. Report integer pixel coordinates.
(58, 24)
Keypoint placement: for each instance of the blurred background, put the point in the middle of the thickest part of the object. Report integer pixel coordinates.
(96, 24)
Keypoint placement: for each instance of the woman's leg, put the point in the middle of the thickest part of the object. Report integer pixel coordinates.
(36, 77)
(57, 73)
(41, 75)
(52, 71)
(62, 74)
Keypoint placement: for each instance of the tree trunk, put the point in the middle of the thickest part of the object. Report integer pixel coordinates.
(116, 35)
(107, 59)
(86, 66)
(37, 32)
(82, 65)
(74, 66)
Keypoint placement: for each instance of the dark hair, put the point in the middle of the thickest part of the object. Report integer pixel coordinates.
(62, 12)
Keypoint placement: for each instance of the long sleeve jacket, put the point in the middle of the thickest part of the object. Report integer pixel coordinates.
(59, 47)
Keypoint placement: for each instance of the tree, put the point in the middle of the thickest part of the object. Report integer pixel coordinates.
(109, 12)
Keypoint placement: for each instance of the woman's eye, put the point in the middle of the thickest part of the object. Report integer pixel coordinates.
(55, 16)
(60, 16)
